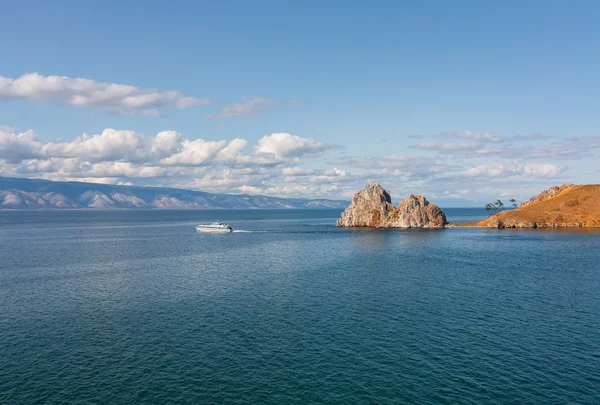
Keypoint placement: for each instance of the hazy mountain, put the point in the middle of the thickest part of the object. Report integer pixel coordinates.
(43, 194)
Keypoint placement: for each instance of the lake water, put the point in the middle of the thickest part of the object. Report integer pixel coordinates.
(123, 307)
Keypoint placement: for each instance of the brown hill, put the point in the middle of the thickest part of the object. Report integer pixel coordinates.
(564, 206)
(546, 194)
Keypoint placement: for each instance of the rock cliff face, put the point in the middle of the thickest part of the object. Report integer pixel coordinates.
(372, 207)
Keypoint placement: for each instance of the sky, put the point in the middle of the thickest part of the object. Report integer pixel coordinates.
(463, 102)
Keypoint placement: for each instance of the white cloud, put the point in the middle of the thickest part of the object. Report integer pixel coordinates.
(166, 143)
(401, 166)
(276, 164)
(111, 144)
(534, 146)
(508, 169)
(233, 151)
(78, 92)
(287, 145)
(249, 106)
(16, 147)
(195, 152)
(250, 190)
(125, 169)
(387, 161)
(478, 136)
(296, 171)
(233, 180)
(123, 155)
(449, 147)
(333, 176)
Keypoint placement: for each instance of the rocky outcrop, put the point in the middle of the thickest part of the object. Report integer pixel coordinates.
(372, 207)
(546, 194)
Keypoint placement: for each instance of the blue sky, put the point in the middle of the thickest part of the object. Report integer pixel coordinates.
(459, 101)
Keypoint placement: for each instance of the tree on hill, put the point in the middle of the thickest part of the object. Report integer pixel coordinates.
(498, 205)
(513, 203)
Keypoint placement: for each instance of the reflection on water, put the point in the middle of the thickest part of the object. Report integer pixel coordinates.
(371, 239)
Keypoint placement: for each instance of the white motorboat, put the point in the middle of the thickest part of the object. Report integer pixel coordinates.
(214, 227)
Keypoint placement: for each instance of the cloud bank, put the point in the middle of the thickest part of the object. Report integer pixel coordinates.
(288, 165)
(124, 156)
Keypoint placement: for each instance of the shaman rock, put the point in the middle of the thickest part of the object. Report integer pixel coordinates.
(372, 207)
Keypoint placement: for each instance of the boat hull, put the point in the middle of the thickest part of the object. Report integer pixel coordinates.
(213, 230)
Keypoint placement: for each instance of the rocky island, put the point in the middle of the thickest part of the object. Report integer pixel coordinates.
(568, 205)
(372, 207)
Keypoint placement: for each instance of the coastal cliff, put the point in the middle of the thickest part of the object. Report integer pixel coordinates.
(372, 207)
(560, 206)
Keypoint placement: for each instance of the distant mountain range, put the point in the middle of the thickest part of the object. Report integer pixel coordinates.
(19, 193)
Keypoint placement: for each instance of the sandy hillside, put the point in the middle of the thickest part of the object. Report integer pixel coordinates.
(564, 206)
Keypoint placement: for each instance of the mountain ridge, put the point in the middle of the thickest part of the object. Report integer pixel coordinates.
(24, 193)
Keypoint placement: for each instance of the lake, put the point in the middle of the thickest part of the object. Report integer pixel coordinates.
(123, 307)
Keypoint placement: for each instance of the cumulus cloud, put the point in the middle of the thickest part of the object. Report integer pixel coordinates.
(166, 143)
(233, 151)
(195, 152)
(287, 145)
(167, 148)
(280, 164)
(17, 147)
(78, 92)
(111, 144)
(123, 155)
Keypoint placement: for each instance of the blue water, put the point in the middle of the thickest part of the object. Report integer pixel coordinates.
(123, 307)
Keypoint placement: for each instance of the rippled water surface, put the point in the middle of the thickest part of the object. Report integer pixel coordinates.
(130, 307)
